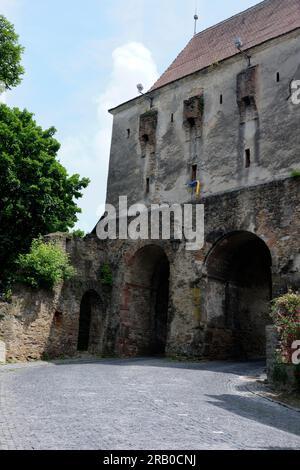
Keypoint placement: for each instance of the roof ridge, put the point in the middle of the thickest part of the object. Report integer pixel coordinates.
(262, 22)
(231, 17)
(203, 32)
(205, 53)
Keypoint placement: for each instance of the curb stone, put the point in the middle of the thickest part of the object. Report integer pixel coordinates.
(255, 391)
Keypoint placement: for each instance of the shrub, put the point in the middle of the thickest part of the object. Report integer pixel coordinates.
(106, 276)
(78, 233)
(295, 173)
(45, 266)
(286, 316)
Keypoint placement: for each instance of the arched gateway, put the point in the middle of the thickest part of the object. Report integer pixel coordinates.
(238, 294)
(144, 330)
(90, 322)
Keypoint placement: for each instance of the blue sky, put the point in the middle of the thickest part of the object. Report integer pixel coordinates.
(83, 57)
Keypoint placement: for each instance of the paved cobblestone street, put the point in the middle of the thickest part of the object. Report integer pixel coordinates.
(139, 404)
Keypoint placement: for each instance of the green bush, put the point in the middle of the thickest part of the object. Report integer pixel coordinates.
(286, 316)
(45, 266)
(78, 233)
(106, 276)
(295, 173)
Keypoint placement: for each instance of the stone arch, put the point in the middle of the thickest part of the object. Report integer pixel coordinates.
(238, 294)
(144, 314)
(90, 329)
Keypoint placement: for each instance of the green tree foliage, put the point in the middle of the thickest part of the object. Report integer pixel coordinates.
(11, 51)
(36, 194)
(45, 266)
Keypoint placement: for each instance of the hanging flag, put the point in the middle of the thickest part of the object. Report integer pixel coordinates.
(195, 184)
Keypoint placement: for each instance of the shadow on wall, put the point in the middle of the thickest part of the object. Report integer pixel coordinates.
(239, 290)
(90, 332)
(144, 322)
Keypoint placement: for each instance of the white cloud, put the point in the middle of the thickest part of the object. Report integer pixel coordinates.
(132, 64)
(88, 153)
(9, 8)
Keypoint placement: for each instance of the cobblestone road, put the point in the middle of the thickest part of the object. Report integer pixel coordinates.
(139, 404)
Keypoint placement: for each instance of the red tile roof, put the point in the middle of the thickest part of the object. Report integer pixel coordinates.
(265, 21)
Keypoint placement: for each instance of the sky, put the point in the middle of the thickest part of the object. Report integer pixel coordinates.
(85, 57)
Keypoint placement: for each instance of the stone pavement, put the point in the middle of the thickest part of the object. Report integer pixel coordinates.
(140, 404)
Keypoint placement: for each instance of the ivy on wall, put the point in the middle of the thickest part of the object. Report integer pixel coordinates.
(106, 276)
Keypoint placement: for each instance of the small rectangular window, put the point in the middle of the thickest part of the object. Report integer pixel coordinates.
(172, 117)
(278, 77)
(247, 158)
(128, 133)
(221, 99)
(247, 100)
(147, 185)
(194, 172)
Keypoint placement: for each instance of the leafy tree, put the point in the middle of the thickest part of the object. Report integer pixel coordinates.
(36, 194)
(11, 51)
(45, 266)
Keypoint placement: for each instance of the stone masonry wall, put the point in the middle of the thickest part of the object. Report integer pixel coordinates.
(38, 323)
(243, 130)
(269, 213)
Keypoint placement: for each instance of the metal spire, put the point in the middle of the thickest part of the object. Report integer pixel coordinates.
(196, 17)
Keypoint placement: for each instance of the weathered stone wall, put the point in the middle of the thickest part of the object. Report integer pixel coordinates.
(235, 129)
(265, 214)
(204, 315)
(38, 323)
(269, 212)
(2, 352)
(255, 114)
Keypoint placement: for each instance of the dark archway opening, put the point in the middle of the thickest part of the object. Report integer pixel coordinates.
(239, 292)
(149, 301)
(90, 320)
(161, 299)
